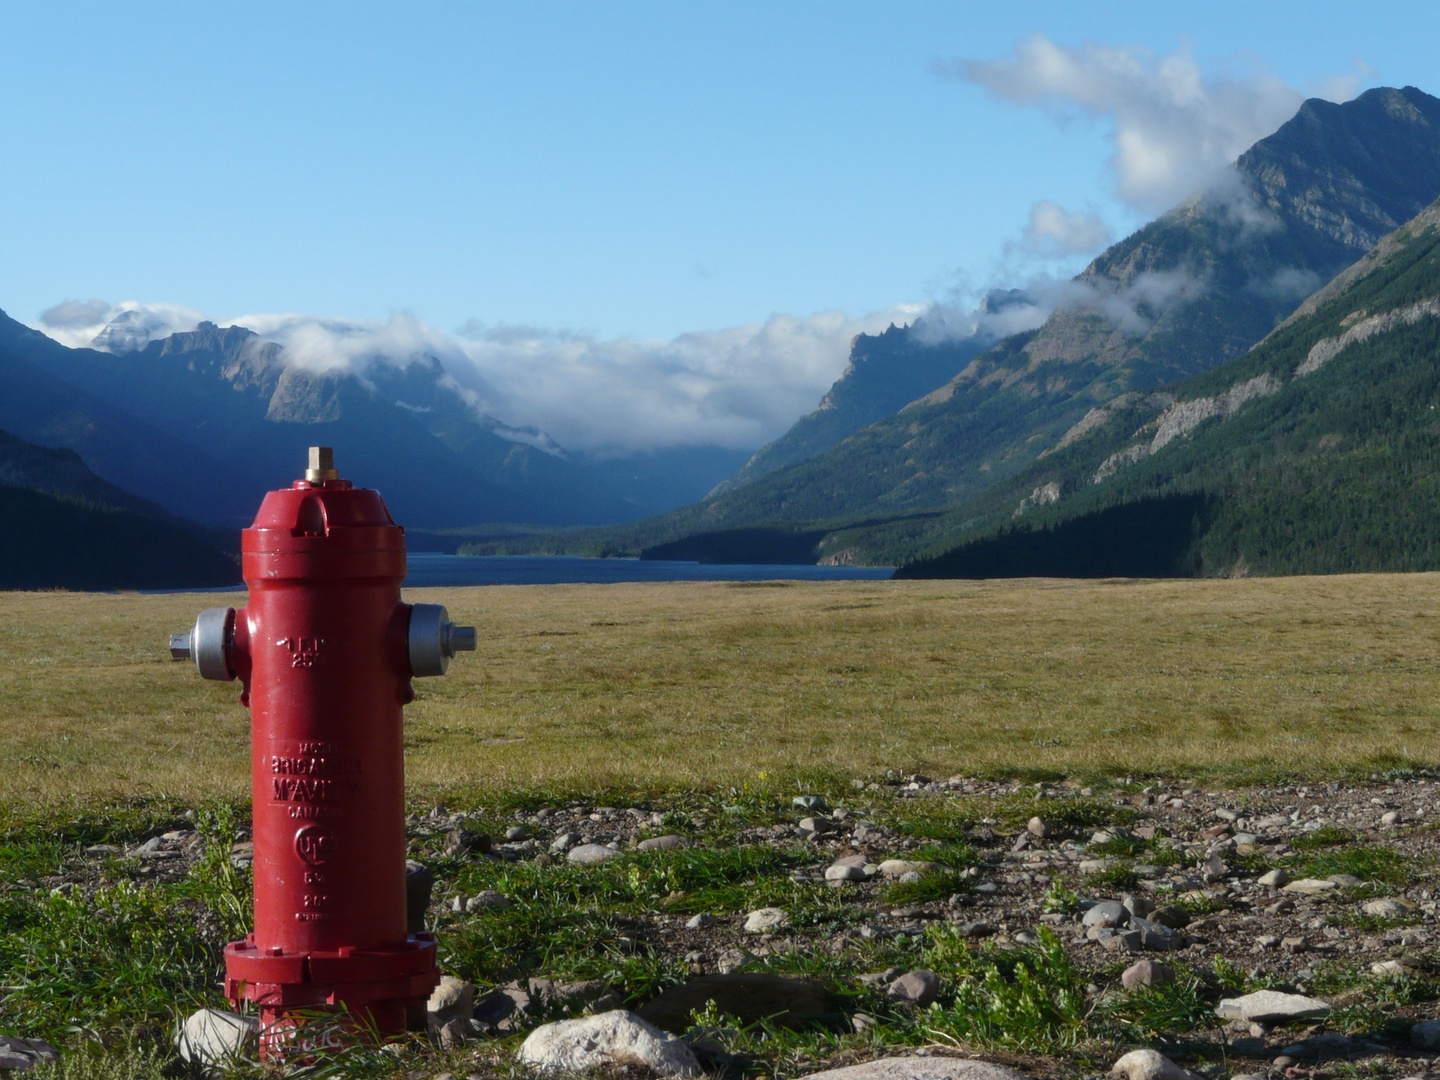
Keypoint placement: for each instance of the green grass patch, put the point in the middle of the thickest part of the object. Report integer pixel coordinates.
(1023, 999)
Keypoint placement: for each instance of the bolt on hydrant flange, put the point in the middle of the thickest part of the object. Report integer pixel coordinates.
(325, 651)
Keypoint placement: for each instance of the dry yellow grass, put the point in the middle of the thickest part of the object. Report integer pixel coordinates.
(712, 683)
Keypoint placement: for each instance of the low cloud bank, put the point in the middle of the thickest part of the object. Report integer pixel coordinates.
(738, 387)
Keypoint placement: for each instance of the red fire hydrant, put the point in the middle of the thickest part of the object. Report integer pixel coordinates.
(325, 650)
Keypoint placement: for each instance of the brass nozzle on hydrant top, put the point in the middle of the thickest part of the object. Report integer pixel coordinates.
(325, 651)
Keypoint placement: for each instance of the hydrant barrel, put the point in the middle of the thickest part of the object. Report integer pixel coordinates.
(326, 650)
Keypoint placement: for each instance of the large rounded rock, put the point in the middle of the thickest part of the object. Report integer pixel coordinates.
(214, 1040)
(748, 996)
(1149, 1065)
(608, 1040)
(589, 854)
(920, 1068)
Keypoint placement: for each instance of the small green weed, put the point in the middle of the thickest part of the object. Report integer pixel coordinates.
(1327, 836)
(1024, 999)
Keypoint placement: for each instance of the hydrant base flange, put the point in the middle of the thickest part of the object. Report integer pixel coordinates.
(355, 978)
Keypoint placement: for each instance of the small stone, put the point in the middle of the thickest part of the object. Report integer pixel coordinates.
(215, 1040)
(1344, 880)
(1272, 1007)
(1137, 905)
(606, 1041)
(862, 1022)
(1149, 1065)
(1390, 817)
(765, 920)
(489, 898)
(1425, 1035)
(916, 1067)
(816, 826)
(976, 930)
(1310, 886)
(1389, 908)
(844, 873)
(699, 922)
(668, 842)
(1283, 1061)
(455, 1033)
(515, 834)
(853, 860)
(894, 868)
(1172, 915)
(1157, 937)
(564, 842)
(590, 854)
(453, 998)
(1121, 941)
(1147, 973)
(918, 988)
(1037, 827)
(1273, 879)
(1106, 913)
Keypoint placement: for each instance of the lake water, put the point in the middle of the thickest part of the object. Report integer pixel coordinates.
(427, 569)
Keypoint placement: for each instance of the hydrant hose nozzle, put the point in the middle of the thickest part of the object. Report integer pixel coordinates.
(434, 639)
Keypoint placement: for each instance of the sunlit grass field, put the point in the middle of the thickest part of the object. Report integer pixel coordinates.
(710, 684)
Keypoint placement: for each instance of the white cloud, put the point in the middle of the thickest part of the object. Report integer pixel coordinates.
(739, 387)
(110, 327)
(1054, 232)
(1175, 126)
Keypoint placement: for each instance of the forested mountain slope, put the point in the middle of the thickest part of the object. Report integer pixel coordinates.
(1316, 452)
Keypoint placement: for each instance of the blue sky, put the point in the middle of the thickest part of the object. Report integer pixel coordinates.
(612, 172)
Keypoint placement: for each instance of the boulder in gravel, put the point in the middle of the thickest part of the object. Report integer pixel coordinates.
(1389, 908)
(920, 1068)
(765, 920)
(1309, 886)
(1106, 913)
(1171, 915)
(1156, 937)
(1272, 1007)
(1147, 973)
(606, 1041)
(1273, 879)
(919, 988)
(213, 1040)
(699, 922)
(1425, 1035)
(844, 873)
(750, 996)
(590, 854)
(1149, 1065)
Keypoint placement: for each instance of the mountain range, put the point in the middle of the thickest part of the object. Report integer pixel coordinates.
(1188, 292)
(203, 423)
(1154, 410)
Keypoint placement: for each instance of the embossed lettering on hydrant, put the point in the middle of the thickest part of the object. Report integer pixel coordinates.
(304, 651)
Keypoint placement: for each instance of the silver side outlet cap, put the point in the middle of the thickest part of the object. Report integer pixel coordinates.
(209, 643)
(434, 639)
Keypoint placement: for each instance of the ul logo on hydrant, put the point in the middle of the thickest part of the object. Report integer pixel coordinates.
(314, 845)
(323, 563)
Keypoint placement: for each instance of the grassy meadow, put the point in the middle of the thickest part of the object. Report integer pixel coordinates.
(709, 684)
